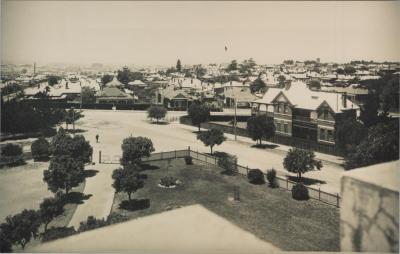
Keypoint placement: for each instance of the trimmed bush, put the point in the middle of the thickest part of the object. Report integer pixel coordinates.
(300, 192)
(256, 176)
(56, 233)
(40, 149)
(92, 223)
(168, 181)
(188, 160)
(228, 162)
(11, 149)
(271, 177)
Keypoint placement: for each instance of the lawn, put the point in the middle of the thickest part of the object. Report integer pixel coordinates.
(270, 214)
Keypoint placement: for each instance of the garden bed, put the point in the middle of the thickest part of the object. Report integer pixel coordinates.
(270, 214)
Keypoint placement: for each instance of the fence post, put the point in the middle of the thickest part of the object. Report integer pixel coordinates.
(319, 193)
(287, 183)
(247, 170)
(175, 154)
(99, 156)
(189, 150)
(337, 199)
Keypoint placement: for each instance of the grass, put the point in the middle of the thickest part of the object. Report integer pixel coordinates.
(270, 214)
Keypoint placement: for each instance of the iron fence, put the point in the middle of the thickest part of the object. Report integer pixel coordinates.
(283, 183)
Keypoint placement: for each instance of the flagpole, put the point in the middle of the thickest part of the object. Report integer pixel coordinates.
(235, 106)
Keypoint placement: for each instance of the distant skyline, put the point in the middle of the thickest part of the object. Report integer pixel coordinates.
(158, 33)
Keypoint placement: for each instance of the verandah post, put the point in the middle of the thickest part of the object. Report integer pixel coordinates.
(99, 156)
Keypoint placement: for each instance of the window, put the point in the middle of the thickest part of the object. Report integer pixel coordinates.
(285, 108)
(325, 114)
(321, 134)
(285, 128)
(330, 135)
(278, 126)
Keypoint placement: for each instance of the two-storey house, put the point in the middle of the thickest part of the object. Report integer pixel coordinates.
(301, 113)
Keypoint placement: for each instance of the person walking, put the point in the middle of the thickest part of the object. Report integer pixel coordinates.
(97, 138)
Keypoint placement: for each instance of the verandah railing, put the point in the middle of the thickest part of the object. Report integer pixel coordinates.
(284, 183)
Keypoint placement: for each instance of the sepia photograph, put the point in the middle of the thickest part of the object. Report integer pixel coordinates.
(199, 126)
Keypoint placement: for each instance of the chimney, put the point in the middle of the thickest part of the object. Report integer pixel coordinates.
(344, 100)
(191, 81)
(287, 85)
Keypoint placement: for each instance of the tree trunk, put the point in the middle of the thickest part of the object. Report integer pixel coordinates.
(45, 226)
(199, 126)
(211, 147)
(260, 141)
(129, 196)
(299, 176)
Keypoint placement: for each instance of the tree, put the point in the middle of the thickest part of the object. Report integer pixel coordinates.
(124, 75)
(64, 173)
(369, 113)
(380, 145)
(233, 66)
(77, 147)
(11, 149)
(314, 84)
(50, 208)
(157, 112)
(106, 78)
(340, 71)
(211, 138)
(40, 149)
(72, 116)
(257, 85)
(281, 80)
(20, 228)
(349, 70)
(300, 161)
(5, 242)
(134, 148)
(88, 95)
(126, 181)
(53, 80)
(260, 127)
(198, 113)
(178, 66)
(349, 133)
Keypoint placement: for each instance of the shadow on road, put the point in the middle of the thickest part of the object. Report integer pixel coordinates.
(91, 172)
(147, 166)
(265, 146)
(76, 198)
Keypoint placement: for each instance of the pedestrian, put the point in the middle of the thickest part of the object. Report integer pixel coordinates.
(97, 138)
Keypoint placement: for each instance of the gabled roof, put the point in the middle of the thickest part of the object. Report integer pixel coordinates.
(137, 83)
(112, 92)
(302, 97)
(114, 83)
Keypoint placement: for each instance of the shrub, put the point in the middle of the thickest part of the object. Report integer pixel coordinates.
(40, 149)
(271, 177)
(227, 161)
(92, 223)
(116, 218)
(168, 181)
(56, 233)
(300, 192)
(188, 160)
(11, 149)
(256, 176)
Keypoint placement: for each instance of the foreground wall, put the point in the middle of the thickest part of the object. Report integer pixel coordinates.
(369, 215)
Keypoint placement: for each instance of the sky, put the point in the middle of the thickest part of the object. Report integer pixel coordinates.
(159, 33)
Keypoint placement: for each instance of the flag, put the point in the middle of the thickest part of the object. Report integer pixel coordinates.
(226, 48)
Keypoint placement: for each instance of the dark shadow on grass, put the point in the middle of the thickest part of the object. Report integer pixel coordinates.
(228, 173)
(142, 176)
(42, 159)
(14, 164)
(305, 180)
(264, 146)
(146, 166)
(135, 204)
(91, 172)
(76, 198)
